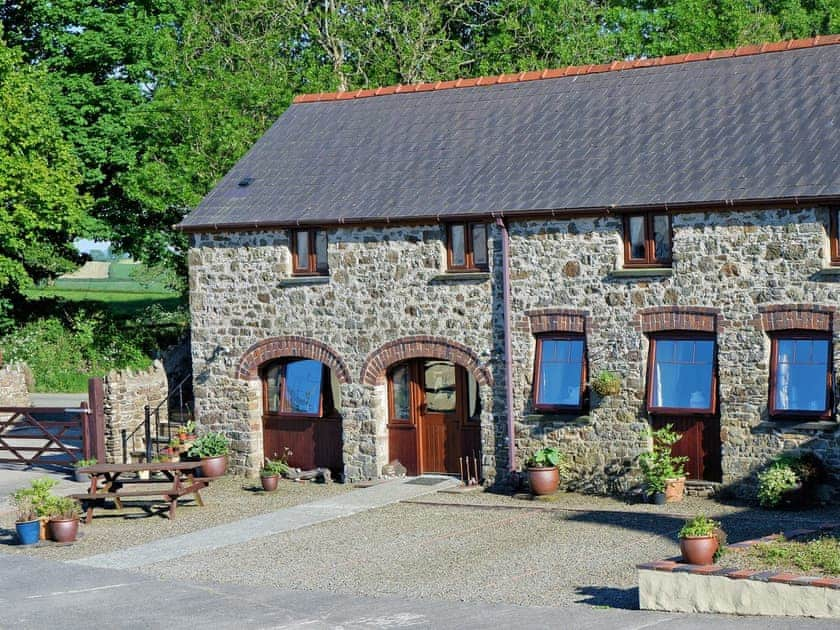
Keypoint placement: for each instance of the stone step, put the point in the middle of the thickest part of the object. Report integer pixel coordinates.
(701, 488)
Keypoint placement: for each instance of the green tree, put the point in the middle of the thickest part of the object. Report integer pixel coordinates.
(41, 210)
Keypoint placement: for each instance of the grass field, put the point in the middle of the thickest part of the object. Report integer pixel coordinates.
(122, 293)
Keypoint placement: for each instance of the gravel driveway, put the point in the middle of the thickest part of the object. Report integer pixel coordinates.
(490, 551)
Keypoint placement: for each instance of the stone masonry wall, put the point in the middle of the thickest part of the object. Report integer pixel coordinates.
(384, 284)
(127, 392)
(13, 385)
(388, 283)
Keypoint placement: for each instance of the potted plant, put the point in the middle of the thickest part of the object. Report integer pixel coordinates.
(212, 449)
(27, 523)
(39, 493)
(606, 383)
(700, 540)
(189, 427)
(82, 463)
(270, 473)
(64, 519)
(544, 470)
(663, 472)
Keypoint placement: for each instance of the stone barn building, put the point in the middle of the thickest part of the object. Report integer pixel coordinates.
(431, 272)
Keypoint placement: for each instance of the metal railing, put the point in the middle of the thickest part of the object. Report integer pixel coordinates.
(146, 425)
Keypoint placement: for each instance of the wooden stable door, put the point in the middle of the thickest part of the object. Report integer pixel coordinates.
(433, 419)
(700, 442)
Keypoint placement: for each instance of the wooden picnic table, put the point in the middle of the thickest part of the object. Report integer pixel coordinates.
(107, 481)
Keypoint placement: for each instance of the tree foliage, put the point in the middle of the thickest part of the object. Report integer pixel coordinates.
(41, 209)
(159, 98)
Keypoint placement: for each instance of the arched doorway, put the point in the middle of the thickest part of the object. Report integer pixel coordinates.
(434, 413)
(301, 399)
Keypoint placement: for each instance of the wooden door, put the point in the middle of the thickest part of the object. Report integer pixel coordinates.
(700, 442)
(431, 422)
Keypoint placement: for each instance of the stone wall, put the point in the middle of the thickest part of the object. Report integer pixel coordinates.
(387, 284)
(14, 391)
(127, 392)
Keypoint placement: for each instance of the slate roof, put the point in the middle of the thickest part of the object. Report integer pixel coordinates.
(737, 127)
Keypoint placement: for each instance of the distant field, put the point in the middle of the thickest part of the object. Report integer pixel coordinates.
(122, 293)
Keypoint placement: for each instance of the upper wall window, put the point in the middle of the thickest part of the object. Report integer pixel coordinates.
(834, 235)
(800, 374)
(647, 240)
(681, 375)
(309, 252)
(466, 247)
(560, 373)
(298, 387)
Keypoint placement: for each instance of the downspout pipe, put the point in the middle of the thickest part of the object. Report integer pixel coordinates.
(507, 350)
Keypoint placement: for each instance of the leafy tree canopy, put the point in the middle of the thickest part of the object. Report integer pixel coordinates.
(41, 210)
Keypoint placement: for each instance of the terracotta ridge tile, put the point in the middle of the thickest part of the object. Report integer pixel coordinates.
(587, 69)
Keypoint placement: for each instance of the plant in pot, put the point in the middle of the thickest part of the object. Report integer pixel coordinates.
(64, 519)
(664, 473)
(270, 473)
(39, 493)
(606, 383)
(544, 470)
(212, 449)
(189, 428)
(27, 523)
(82, 463)
(701, 540)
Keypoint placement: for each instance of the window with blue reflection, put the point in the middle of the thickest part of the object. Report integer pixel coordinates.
(302, 393)
(801, 375)
(683, 374)
(560, 372)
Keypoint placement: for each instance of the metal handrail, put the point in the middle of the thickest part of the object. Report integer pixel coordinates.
(146, 425)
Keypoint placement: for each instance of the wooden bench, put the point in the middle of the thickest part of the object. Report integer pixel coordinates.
(107, 483)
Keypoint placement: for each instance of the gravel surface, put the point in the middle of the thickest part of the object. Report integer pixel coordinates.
(228, 499)
(536, 553)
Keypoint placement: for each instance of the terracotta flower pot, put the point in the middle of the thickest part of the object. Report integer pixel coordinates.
(674, 490)
(543, 480)
(213, 466)
(64, 530)
(698, 549)
(269, 483)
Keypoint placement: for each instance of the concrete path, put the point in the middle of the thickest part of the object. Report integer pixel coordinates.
(16, 476)
(37, 592)
(284, 520)
(58, 400)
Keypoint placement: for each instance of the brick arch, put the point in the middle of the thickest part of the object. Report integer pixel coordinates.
(797, 317)
(290, 346)
(692, 318)
(417, 347)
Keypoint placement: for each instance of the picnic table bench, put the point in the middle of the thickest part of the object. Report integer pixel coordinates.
(107, 482)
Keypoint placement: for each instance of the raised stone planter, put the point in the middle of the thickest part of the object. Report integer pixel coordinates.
(677, 587)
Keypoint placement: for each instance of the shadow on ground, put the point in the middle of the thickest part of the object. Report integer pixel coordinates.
(606, 597)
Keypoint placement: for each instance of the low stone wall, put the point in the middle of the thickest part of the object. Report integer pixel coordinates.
(14, 391)
(678, 587)
(127, 392)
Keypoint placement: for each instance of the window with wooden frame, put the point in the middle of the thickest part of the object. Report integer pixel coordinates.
(309, 252)
(682, 375)
(800, 374)
(299, 387)
(647, 240)
(400, 383)
(834, 235)
(560, 373)
(466, 247)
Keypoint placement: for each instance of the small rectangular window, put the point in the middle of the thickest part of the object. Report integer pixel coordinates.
(800, 375)
(647, 240)
(466, 247)
(297, 387)
(559, 373)
(834, 234)
(309, 252)
(681, 375)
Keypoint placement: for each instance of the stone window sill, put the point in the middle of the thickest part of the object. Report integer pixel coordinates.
(294, 281)
(828, 273)
(793, 426)
(652, 272)
(462, 276)
(568, 418)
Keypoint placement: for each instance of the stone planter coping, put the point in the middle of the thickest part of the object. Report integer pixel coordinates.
(672, 565)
